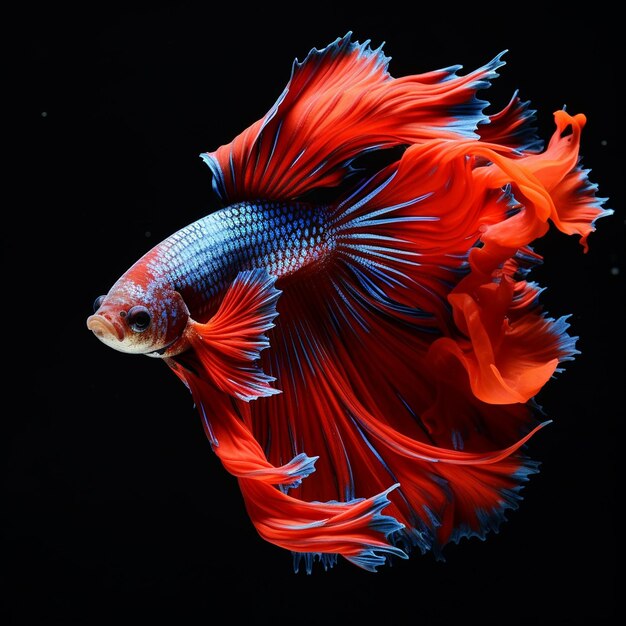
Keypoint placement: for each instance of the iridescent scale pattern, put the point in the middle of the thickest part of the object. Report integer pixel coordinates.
(202, 259)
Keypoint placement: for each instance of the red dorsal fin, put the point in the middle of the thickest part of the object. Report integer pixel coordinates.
(340, 103)
(230, 343)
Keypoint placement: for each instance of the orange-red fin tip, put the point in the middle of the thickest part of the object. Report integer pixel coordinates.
(507, 346)
(229, 345)
(575, 205)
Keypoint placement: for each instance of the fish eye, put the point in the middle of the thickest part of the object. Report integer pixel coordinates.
(138, 318)
(97, 303)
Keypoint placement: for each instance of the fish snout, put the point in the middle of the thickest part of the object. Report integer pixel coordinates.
(105, 328)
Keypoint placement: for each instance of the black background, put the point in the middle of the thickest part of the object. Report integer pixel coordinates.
(116, 511)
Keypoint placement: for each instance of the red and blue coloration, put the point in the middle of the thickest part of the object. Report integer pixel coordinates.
(366, 364)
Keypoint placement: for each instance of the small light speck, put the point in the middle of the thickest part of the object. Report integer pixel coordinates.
(44, 114)
(604, 142)
(148, 233)
(614, 271)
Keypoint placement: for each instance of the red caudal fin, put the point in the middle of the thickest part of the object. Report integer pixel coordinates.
(340, 103)
(406, 252)
(229, 344)
(358, 393)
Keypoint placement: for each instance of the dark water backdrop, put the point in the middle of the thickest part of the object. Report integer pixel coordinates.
(115, 510)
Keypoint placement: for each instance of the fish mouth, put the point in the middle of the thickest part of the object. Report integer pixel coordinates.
(161, 351)
(104, 328)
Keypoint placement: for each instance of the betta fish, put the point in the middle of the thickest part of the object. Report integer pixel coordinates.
(355, 324)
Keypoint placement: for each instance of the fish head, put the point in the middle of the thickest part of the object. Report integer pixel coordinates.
(140, 317)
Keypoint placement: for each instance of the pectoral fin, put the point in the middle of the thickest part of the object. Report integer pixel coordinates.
(228, 346)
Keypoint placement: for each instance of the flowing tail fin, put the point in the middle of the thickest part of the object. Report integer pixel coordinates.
(413, 359)
(447, 227)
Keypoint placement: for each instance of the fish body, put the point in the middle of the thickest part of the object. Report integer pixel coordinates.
(380, 351)
(199, 261)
